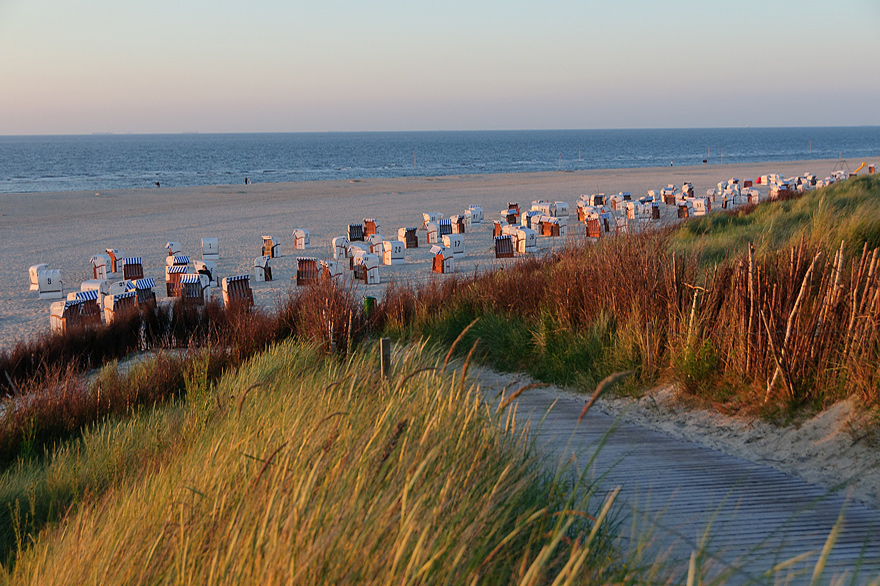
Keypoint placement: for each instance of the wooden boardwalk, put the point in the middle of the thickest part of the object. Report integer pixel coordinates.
(751, 517)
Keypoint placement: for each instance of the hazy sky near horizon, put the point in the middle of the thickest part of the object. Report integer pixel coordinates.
(84, 66)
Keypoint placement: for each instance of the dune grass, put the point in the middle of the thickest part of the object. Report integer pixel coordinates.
(299, 469)
(847, 211)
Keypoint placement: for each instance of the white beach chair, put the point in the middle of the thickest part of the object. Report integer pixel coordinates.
(262, 270)
(173, 248)
(49, 284)
(443, 261)
(393, 252)
(100, 265)
(210, 249)
(33, 273)
(207, 267)
(301, 239)
(455, 244)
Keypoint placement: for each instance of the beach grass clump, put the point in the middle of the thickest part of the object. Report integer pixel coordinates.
(303, 469)
(846, 211)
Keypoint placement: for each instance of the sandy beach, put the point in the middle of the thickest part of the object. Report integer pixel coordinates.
(65, 229)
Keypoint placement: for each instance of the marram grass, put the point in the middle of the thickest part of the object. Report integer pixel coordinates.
(303, 470)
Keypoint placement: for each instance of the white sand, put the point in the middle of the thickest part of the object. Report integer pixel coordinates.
(65, 229)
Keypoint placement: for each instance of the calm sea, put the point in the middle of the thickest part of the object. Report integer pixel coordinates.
(71, 163)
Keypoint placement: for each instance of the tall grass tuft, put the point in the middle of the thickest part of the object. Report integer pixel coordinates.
(306, 470)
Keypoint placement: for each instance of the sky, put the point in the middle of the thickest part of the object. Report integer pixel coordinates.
(165, 66)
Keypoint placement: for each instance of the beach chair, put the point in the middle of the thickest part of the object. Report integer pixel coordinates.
(49, 285)
(594, 228)
(655, 210)
(496, 228)
(262, 270)
(409, 237)
(512, 205)
(511, 215)
(443, 261)
(530, 219)
(115, 256)
(356, 232)
(102, 287)
(433, 229)
(454, 243)
(550, 226)
(370, 227)
(355, 250)
(207, 267)
(133, 267)
(33, 273)
(431, 217)
(698, 205)
(64, 315)
(393, 252)
(630, 210)
(459, 224)
(306, 271)
(173, 248)
(374, 242)
(607, 221)
(368, 268)
(271, 248)
(143, 290)
(683, 211)
(115, 306)
(301, 239)
(237, 290)
(340, 248)
(525, 240)
(179, 260)
(210, 249)
(503, 246)
(90, 312)
(330, 269)
(172, 279)
(476, 214)
(192, 289)
(100, 264)
(445, 227)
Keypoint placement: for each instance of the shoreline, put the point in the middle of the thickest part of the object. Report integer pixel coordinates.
(64, 229)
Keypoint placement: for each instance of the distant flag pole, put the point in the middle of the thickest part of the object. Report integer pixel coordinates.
(560, 161)
(579, 154)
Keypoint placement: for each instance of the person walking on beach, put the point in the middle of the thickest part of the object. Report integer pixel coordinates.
(157, 184)
(247, 181)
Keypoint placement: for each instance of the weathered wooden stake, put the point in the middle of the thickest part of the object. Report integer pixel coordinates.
(385, 347)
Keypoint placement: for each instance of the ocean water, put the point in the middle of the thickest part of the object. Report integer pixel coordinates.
(96, 162)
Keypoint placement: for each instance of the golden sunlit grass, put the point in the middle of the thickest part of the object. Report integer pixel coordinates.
(304, 470)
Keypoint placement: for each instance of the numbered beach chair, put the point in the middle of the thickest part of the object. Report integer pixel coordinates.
(525, 240)
(262, 270)
(237, 290)
(393, 252)
(367, 268)
(431, 217)
(306, 271)
(49, 285)
(503, 246)
(210, 249)
(115, 306)
(443, 261)
(271, 247)
(409, 237)
(301, 239)
(133, 267)
(100, 265)
(476, 214)
(33, 273)
(356, 232)
(455, 244)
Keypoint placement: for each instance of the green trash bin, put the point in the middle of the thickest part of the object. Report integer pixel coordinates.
(369, 304)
